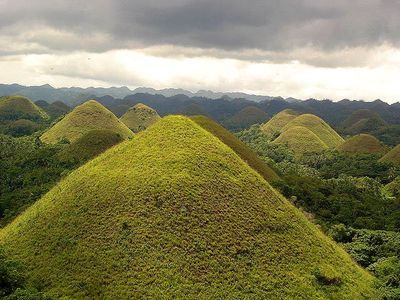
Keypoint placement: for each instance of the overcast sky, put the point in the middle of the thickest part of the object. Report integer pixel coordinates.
(300, 48)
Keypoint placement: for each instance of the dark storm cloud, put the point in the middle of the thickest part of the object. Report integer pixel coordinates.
(232, 25)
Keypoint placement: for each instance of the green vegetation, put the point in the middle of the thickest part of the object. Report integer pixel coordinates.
(236, 145)
(363, 143)
(319, 127)
(88, 116)
(389, 135)
(274, 126)
(362, 121)
(301, 140)
(15, 107)
(139, 117)
(21, 127)
(89, 146)
(57, 109)
(175, 213)
(393, 156)
(246, 117)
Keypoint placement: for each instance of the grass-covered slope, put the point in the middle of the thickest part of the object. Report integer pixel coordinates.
(139, 117)
(301, 140)
(362, 121)
(238, 146)
(176, 214)
(319, 127)
(392, 156)
(362, 143)
(17, 107)
(88, 116)
(246, 117)
(274, 126)
(90, 145)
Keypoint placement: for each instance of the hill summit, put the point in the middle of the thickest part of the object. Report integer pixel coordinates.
(393, 156)
(88, 116)
(362, 121)
(16, 107)
(362, 143)
(274, 126)
(175, 213)
(139, 117)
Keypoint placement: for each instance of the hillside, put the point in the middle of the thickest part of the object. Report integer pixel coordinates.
(274, 126)
(392, 156)
(238, 146)
(248, 116)
(363, 143)
(90, 145)
(57, 109)
(362, 121)
(175, 212)
(139, 117)
(16, 107)
(86, 117)
(319, 127)
(301, 140)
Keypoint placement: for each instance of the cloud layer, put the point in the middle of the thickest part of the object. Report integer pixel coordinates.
(306, 35)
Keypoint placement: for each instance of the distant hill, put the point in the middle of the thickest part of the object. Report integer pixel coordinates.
(55, 109)
(139, 117)
(246, 117)
(86, 117)
(301, 140)
(363, 121)
(392, 156)
(175, 212)
(16, 107)
(238, 146)
(319, 127)
(274, 126)
(363, 143)
(90, 145)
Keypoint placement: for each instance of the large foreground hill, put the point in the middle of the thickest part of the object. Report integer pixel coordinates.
(175, 213)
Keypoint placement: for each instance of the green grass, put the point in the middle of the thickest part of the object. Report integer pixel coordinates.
(319, 127)
(17, 107)
(301, 140)
(393, 156)
(362, 121)
(88, 116)
(90, 145)
(246, 117)
(274, 126)
(176, 214)
(363, 143)
(139, 117)
(238, 146)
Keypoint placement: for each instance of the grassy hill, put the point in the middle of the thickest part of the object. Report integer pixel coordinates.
(246, 117)
(88, 116)
(392, 156)
(301, 140)
(319, 127)
(362, 121)
(274, 126)
(90, 145)
(363, 143)
(16, 107)
(175, 213)
(238, 146)
(139, 117)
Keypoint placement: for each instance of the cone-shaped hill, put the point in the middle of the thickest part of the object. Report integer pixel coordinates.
(392, 156)
(361, 121)
(319, 127)
(274, 126)
(175, 213)
(301, 140)
(238, 146)
(16, 107)
(90, 145)
(139, 117)
(362, 143)
(88, 116)
(248, 116)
